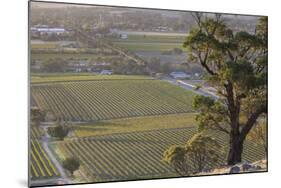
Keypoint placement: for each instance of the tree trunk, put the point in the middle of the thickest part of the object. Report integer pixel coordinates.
(235, 150)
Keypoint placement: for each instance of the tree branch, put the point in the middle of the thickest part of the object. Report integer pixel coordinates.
(197, 17)
(230, 55)
(204, 64)
(218, 126)
(252, 120)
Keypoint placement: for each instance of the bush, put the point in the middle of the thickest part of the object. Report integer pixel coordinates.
(59, 132)
(71, 164)
(201, 150)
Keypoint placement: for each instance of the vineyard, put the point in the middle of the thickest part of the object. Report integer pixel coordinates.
(41, 166)
(111, 99)
(135, 155)
(47, 78)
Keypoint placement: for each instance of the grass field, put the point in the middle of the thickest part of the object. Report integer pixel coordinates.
(136, 155)
(48, 45)
(69, 77)
(73, 56)
(111, 99)
(148, 46)
(155, 38)
(135, 124)
(150, 42)
(45, 46)
(40, 165)
(46, 56)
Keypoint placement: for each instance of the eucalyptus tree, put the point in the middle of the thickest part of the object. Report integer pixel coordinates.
(236, 64)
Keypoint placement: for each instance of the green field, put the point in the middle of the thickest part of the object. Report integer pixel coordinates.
(149, 46)
(48, 45)
(134, 124)
(45, 45)
(65, 77)
(41, 166)
(120, 126)
(46, 56)
(111, 99)
(136, 155)
(153, 37)
(150, 42)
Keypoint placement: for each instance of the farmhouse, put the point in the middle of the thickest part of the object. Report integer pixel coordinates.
(78, 66)
(45, 29)
(180, 75)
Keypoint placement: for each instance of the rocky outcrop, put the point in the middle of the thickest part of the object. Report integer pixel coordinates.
(239, 168)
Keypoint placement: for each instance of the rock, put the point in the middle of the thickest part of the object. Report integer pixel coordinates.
(234, 169)
(258, 167)
(246, 166)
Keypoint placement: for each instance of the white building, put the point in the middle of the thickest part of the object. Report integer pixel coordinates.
(48, 30)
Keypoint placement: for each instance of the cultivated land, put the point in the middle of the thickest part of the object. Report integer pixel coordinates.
(148, 46)
(65, 56)
(150, 42)
(120, 125)
(41, 165)
(44, 45)
(65, 77)
(111, 99)
(40, 44)
(111, 147)
(135, 155)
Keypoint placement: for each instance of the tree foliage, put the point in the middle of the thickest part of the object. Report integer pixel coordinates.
(54, 65)
(36, 116)
(71, 164)
(176, 157)
(236, 63)
(204, 151)
(59, 131)
(258, 134)
(200, 153)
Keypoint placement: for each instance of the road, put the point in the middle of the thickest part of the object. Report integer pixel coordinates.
(49, 182)
(45, 144)
(105, 43)
(188, 86)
